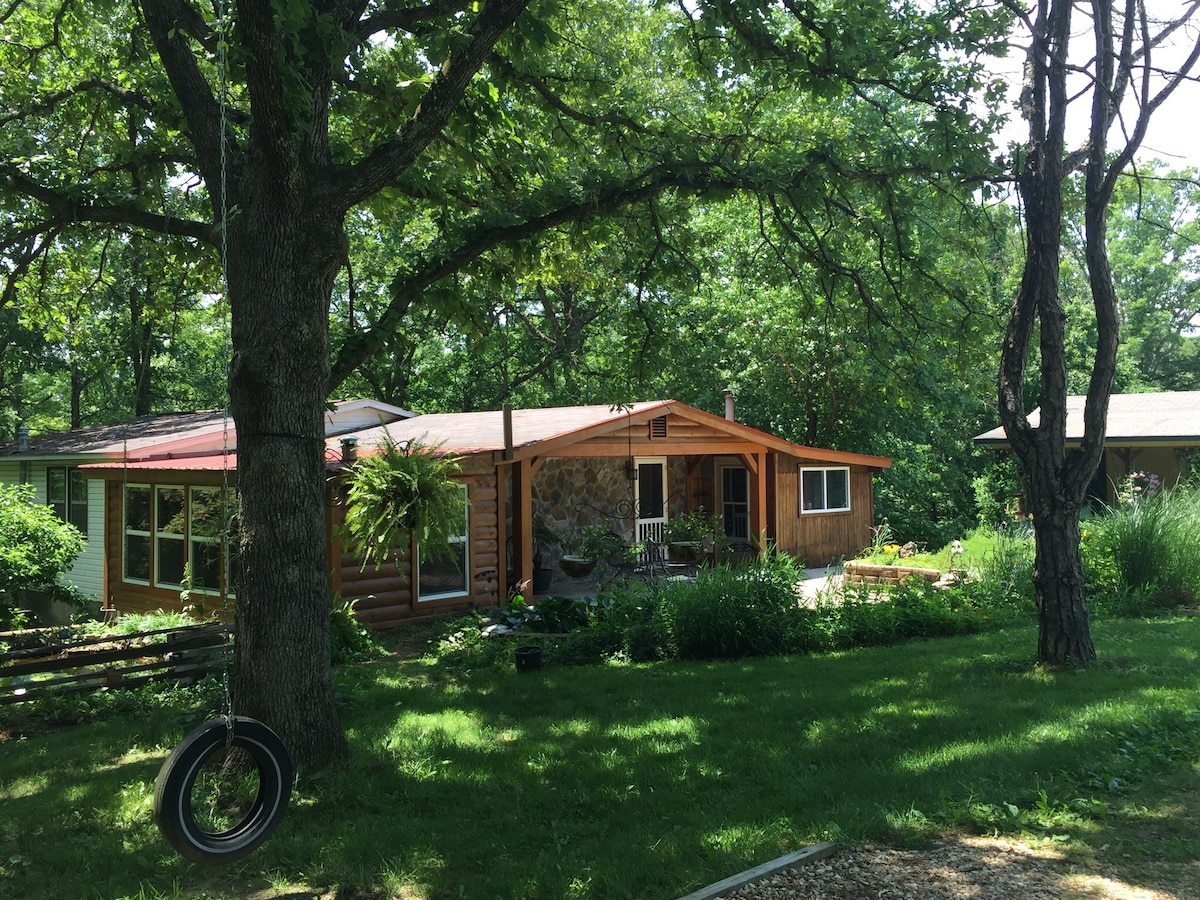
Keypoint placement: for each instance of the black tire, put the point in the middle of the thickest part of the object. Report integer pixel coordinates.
(177, 779)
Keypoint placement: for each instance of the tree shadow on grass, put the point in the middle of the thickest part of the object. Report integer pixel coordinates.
(618, 782)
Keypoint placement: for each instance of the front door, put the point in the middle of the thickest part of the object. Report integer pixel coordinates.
(735, 501)
(650, 498)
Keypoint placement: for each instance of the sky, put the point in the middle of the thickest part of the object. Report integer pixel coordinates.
(1174, 134)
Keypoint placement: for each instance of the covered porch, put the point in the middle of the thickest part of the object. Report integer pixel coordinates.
(631, 476)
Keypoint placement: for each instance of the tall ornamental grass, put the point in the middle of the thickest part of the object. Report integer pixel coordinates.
(1145, 554)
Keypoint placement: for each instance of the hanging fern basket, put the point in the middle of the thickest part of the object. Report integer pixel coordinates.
(404, 492)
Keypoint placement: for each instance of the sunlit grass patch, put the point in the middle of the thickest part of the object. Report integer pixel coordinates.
(652, 779)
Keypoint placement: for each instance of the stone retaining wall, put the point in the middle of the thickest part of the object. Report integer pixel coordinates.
(866, 573)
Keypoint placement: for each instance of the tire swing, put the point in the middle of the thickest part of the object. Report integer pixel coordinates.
(191, 802)
(223, 790)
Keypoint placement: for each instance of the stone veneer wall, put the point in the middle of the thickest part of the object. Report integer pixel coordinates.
(569, 493)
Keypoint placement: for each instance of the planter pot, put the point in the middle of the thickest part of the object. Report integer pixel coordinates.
(542, 579)
(528, 658)
(577, 566)
(684, 551)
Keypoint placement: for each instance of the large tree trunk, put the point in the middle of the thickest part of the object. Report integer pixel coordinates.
(1055, 482)
(284, 251)
(1063, 628)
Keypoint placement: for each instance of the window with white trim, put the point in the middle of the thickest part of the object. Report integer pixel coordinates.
(825, 490)
(67, 495)
(204, 538)
(446, 575)
(173, 533)
(137, 533)
(170, 536)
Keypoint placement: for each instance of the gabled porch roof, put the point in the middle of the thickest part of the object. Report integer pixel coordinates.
(564, 430)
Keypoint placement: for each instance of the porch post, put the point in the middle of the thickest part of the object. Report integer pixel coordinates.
(522, 474)
(503, 503)
(759, 517)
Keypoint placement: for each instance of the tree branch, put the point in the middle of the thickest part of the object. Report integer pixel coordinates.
(391, 158)
(405, 289)
(407, 18)
(128, 99)
(168, 22)
(64, 210)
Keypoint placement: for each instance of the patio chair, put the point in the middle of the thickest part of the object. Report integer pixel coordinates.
(734, 552)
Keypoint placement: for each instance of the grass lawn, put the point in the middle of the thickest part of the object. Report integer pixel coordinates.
(650, 781)
(977, 548)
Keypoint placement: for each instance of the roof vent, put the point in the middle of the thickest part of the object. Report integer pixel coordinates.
(658, 427)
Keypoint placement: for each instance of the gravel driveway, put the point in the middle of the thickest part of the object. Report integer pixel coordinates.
(966, 868)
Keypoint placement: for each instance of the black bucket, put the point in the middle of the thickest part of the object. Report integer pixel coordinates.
(529, 658)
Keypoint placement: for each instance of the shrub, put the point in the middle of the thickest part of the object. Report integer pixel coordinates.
(728, 613)
(462, 645)
(36, 549)
(1145, 554)
(1002, 588)
(349, 639)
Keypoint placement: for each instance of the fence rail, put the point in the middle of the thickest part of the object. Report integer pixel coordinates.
(183, 654)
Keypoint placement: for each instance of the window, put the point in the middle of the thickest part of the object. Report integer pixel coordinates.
(446, 576)
(204, 539)
(173, 532)
(137, 533)
(67, 494)
(824, 490)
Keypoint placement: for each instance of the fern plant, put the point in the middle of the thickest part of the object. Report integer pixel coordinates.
(405, 491)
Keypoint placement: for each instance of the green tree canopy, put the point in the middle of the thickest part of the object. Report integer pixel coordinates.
(474, 140)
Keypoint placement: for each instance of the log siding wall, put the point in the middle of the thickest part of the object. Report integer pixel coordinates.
(385, 597)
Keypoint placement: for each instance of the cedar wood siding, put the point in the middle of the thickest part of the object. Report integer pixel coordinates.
(821, 538)
(145, 598)
(384, 597)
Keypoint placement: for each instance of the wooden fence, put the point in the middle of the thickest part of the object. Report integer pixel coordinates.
(182, 654)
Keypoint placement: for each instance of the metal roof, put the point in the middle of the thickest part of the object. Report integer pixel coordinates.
(1168, 417)
(130, 436)
(474, 433)
(176, 435)
(535, 432)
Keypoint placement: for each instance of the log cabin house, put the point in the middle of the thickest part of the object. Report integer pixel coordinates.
(632, 468)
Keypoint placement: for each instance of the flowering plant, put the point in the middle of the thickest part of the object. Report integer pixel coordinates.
(1138, 485)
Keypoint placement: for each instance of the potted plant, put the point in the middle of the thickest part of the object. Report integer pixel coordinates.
(594, 543)
(686, 536)
(405, 492)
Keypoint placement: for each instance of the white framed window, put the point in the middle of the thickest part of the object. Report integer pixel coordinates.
(138, 520)
(205, 512)
(447, 575)
(67, 494)
(170, 535)
(171, 531)
(825, 490)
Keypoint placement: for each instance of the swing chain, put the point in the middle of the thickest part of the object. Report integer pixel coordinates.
(227, 709)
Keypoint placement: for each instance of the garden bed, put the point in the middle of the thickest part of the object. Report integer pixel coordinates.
(870, 573)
